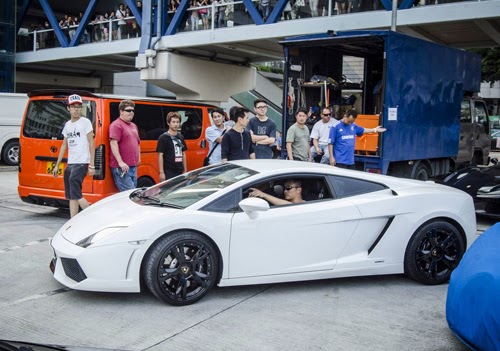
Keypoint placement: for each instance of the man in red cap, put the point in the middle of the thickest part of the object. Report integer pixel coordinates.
(79, 140)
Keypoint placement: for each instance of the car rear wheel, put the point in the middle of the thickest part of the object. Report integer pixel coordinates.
(181, 268)
(433, 252)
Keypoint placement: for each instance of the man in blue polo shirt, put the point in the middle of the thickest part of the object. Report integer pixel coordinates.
(343, 138)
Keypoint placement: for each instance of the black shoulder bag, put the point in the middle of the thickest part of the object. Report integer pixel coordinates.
(206, 160)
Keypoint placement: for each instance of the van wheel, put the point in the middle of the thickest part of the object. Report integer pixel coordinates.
(10, 153)
(145, 182)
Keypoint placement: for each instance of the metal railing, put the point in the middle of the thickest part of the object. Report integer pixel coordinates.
(212, 17)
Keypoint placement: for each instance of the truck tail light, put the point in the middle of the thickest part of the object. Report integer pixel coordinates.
(374, 170)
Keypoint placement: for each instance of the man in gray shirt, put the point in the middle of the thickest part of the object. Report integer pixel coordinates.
(263, 130)
(297, 138)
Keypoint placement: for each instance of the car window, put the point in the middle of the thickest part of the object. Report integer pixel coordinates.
(226, 203)
(188, 188)
(313, 188)
(346, 186)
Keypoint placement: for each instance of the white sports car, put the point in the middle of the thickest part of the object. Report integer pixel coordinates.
(184, 235)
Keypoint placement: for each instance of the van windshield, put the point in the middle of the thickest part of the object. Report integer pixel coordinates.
(45, 119)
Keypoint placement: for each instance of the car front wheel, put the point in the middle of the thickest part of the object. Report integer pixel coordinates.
(181, 268)
(433, 252)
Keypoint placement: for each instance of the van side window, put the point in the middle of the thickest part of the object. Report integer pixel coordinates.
(465, 113)
(191, 123)
(148, 118)
(45, 119)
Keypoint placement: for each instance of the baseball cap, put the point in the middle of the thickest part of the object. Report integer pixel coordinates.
(74, 99)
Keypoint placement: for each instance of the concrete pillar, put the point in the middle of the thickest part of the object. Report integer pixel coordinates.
(194, 79)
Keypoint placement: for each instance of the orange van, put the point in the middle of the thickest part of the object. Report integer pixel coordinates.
(41, 140)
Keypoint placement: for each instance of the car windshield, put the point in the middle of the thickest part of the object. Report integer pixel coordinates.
(186, 189)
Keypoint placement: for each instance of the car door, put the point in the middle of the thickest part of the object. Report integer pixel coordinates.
(292, 238)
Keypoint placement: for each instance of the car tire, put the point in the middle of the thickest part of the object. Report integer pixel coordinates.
(10, 153)
(145, 182)
(433, 252)
(181, 279)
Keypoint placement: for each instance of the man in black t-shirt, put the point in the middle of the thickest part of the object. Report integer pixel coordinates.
(237, 142)
(171, 149)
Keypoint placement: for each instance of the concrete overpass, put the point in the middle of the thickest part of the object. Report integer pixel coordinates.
(187, 63)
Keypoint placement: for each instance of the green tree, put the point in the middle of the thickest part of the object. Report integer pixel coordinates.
(491, 64)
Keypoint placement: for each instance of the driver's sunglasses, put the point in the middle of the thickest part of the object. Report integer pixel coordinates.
(289, 187)
(326, 114)
(129, 110)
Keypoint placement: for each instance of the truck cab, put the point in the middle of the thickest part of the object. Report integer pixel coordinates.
(475, 142)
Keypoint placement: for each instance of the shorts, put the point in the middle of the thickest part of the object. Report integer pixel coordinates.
(74, 174)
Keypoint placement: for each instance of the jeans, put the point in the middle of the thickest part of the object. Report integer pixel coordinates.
(325, 159)
(129, 179)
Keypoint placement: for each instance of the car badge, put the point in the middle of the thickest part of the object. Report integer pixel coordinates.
(53, 149)
(184, 269)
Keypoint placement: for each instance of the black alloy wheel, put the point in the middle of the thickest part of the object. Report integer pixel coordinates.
(181, 268)
(433, 252)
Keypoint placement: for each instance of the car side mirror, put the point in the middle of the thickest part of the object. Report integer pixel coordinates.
(253, 205)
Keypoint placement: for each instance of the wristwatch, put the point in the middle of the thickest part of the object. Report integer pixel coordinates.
(91, 167)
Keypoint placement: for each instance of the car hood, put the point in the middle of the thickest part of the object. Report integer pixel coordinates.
(115, 211)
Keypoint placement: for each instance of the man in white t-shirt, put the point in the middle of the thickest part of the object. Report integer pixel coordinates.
(79, 140)
(214, 135)
(320, 134)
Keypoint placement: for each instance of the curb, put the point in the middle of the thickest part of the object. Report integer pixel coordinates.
(8, 168)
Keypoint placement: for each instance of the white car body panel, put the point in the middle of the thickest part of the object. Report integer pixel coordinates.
(358, 235)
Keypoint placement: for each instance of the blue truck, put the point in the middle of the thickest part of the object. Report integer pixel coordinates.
(424, 93)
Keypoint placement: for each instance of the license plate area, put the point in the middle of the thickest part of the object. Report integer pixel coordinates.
(51, 165)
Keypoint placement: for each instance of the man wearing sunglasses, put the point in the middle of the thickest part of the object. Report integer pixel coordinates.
(292, 191)
(320, 134)
(125, 147)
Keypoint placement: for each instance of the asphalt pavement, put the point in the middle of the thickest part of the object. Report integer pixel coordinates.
(365, 313)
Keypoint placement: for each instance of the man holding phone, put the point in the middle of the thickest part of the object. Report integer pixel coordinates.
(125, 147)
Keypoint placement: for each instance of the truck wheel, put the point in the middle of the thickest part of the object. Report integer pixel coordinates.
(421, 172)
(10, 153)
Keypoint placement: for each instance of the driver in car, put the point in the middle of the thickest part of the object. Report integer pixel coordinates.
(292, 191)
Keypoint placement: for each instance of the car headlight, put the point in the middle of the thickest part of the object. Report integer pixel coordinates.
(91, 239)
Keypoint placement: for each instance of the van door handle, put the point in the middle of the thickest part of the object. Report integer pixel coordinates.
(203, 144)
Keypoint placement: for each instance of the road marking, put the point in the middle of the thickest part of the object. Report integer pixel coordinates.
(17, 247)
(34, 297)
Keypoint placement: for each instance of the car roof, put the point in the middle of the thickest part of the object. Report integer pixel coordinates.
(276, 167)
